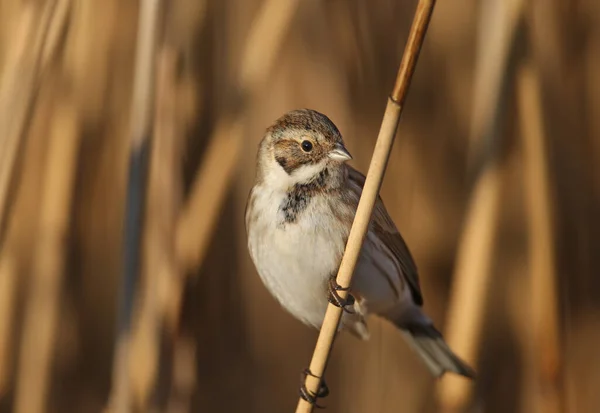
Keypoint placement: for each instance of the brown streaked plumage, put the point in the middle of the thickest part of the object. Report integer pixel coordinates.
(384, 228)
(298, 218)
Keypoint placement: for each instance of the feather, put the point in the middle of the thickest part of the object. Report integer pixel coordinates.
(385, 230)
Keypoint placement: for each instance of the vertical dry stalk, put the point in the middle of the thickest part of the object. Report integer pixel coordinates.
(465, 317)
(197, 221)
(141, 115)
(8, 288)
(42, 309)
(268, 31)
(16, 96)
(35, 44)
(561, 36)
(469, 292)
(545, 335)
(15, 104)
(498, 24)
(370, 191)
(164, 193)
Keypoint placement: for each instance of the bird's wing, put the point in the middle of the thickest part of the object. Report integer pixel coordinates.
(386, 231)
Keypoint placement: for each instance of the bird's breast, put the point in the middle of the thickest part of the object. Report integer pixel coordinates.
(295, 258)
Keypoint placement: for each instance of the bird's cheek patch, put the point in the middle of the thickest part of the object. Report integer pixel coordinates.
(286, 156)
(282, 161)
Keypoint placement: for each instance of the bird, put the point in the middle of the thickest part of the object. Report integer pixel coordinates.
(298, 217)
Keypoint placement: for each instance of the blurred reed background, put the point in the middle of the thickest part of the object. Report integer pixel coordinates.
(493, 182)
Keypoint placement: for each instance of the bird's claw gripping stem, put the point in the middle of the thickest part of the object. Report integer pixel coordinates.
(335, 299)
(309, 396)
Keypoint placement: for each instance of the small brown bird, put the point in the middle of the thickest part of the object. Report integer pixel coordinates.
(298, 217)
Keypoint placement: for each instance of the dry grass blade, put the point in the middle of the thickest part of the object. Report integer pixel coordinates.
(41, 317)
(198, 221)
(472, 273)
(12, 123)
(474, 258)
(373, 181)
(143, 87)
(545, 334)
(212, 182)
(15, 104)
(8, 289)
(498, 25)
(35, 45)
(159, 268)
(266, 35)
(142, 105)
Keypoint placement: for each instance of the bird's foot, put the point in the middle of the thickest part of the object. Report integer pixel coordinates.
(309, 396)
(334, 298)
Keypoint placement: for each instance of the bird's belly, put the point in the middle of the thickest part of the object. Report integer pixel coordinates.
(294, 262)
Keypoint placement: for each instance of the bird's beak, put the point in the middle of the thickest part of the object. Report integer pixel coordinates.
(340, 153)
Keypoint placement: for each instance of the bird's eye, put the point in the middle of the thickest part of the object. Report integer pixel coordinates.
(306, 146)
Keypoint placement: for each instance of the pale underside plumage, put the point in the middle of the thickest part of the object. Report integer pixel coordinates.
(295, 260)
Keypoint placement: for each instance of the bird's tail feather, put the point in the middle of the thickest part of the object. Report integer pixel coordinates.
(430, 345)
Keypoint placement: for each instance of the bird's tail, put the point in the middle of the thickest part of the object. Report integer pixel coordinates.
(428, 342)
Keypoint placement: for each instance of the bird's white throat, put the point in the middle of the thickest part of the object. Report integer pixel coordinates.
(276, 177)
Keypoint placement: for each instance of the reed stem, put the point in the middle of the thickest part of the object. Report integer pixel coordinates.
(373, 181)
(140, 129)
(42, 310)
(545, 325)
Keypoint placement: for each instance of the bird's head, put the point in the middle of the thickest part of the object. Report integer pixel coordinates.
(299, 146)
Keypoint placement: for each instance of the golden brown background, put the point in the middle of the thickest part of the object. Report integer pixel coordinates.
(493, 181)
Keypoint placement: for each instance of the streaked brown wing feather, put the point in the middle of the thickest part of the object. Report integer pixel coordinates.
(388, 233)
